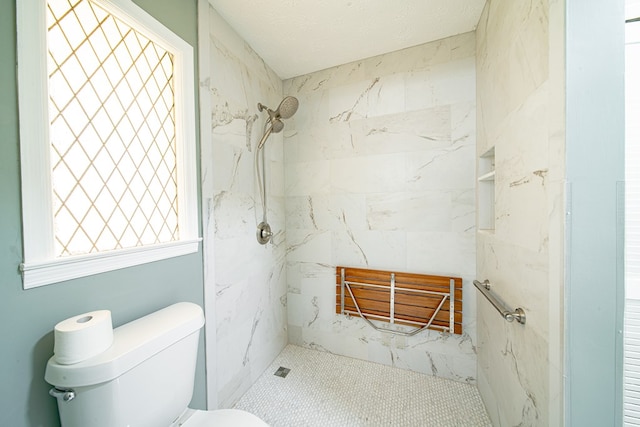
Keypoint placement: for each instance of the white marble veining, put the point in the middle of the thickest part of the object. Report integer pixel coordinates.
(520, 114)
(245, 282)
(380, 173)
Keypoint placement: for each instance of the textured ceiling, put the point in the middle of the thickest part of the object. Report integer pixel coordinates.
(297, 37)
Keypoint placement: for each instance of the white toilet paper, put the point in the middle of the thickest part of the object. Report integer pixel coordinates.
(82, 337)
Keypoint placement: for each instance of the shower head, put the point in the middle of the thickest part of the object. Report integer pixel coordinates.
(287, 107)
(285, 110)
(276, 125)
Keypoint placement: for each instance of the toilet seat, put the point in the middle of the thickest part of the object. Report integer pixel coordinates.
(223, 417)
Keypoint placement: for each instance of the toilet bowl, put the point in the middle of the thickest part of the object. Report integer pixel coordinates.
(145, 379)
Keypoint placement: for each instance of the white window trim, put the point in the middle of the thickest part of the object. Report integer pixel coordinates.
(41, 266)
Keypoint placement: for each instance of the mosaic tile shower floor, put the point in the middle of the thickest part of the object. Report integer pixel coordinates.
(324, 389)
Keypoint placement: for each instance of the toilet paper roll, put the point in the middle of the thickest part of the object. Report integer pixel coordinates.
(82, 337)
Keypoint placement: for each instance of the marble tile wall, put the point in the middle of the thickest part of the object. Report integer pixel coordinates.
(380, 173)
(245, 287)
(520, 115)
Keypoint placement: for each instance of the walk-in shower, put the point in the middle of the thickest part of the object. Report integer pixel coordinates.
(273, 124)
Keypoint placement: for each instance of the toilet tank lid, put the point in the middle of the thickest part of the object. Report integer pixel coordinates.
(133, 343)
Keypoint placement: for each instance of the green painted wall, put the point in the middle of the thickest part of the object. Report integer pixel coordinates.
(594, 288)
(27, 317)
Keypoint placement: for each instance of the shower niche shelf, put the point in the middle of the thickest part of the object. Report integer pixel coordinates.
(486, 190)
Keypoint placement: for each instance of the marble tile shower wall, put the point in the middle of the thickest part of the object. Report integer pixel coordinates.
(380, 173)
(249, 285)
(520, 77)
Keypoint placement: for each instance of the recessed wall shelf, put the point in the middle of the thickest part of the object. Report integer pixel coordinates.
(489, 176)
(486, 190)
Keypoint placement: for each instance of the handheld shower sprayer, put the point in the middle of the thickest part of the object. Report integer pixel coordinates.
(274, 124)
(285, 110)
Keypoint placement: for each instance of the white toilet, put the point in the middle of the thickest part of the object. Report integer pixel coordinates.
(145, 379)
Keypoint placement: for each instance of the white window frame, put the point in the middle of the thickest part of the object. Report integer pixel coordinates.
(41, 265)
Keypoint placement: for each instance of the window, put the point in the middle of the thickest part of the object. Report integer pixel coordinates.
(107, 127)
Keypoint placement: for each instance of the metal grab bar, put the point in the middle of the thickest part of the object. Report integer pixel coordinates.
(508, 315)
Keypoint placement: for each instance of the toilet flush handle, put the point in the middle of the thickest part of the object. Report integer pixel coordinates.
(66, 395)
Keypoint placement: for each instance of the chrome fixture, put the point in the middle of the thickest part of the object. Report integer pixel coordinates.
(285, 110)
(273, 124)
(508, 315)
(67, 395)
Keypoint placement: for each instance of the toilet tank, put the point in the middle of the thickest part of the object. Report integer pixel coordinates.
(145, 379)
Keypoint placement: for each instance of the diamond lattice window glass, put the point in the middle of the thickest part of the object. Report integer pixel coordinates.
(112, 131)
(107, 139)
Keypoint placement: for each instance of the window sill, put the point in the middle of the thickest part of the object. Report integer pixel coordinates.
(35, 274)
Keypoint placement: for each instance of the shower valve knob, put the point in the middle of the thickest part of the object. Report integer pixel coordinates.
(264, 234)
